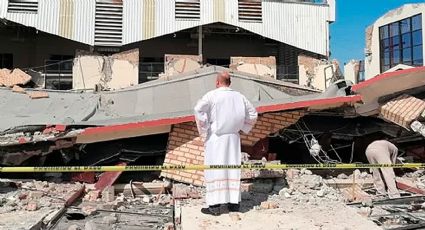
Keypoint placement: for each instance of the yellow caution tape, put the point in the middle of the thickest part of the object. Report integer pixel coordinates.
(201, 167)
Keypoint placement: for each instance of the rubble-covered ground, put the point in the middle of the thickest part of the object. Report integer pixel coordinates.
(304, 201)
(32, 204)
(295, 199)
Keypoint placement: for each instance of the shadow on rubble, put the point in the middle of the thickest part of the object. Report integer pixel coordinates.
(7, 187)
(258, 191)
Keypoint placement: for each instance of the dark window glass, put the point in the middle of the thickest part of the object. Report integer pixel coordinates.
(386, 58)
(406, 40)
(407, 56)
(394, 29)
(385, 68)
(383, 32)
(6, 61)
(396, 57)
(395, 42)
(405, 25)
(401, 42)
(417, 37)
(417, 55)
(417, 22)
(385, 45)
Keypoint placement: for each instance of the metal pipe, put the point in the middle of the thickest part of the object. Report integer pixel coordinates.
(200, 41)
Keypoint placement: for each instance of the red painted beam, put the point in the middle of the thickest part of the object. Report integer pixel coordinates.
(75, 196)
(408, 186)
(108, 178)
(86, 177)
(386, 75)
(310, 103)
(261, 109)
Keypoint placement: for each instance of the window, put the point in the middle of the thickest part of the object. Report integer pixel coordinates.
(60, 64)
(23, 6)
(150, 68)
(250, 10)
(187, 9)
(6, 61)
(361, 73)
(225, 62)
(401, 43)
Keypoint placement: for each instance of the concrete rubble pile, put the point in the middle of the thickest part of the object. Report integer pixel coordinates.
(305, 187)
(417, 177)
(112, 209)
(16, 78)
(39, 201)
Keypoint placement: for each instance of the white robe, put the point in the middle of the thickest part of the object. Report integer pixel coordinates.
(220, 115)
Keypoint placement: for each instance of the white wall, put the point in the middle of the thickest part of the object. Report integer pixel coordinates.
(372, 62)
(350, 71)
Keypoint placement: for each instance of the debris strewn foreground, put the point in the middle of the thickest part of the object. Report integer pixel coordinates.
(291, 199)
(302, 201)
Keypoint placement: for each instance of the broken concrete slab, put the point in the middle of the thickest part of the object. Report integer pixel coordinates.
(182, 191)
(17, 89)
(37, 94)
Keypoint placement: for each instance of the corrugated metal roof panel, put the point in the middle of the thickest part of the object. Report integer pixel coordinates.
(48, 17)
(84, 21)
(132, 26)
(301, 25)
(149, 18)
(3, 8)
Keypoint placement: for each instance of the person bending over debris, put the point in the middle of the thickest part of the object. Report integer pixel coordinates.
(383, 152)
(220, 115)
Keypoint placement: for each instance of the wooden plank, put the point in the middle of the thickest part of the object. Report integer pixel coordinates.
(140, 188)
(344, 183)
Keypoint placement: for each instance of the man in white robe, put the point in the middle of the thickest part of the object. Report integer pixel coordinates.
(220, 115)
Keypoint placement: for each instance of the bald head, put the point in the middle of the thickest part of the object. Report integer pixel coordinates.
(223, 79)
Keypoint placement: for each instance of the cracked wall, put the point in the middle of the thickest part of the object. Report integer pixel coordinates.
(117, 71)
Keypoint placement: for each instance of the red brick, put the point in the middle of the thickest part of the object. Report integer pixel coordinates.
(183, 159)
(191, 146)
(177, 152)
(200, 158)
(175, 162)
(190, 156)
(185, 174)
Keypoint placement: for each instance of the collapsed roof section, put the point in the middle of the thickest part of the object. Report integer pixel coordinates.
(149, 108)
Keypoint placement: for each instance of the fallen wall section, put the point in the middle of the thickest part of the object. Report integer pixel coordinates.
(110, 72)
(262, 66)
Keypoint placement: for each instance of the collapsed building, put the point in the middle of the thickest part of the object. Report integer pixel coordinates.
(215, 31)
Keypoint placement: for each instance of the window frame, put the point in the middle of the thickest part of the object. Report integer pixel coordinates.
(397, 44)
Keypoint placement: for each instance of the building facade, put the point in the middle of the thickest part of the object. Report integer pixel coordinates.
(396, 38)
(47, 33)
